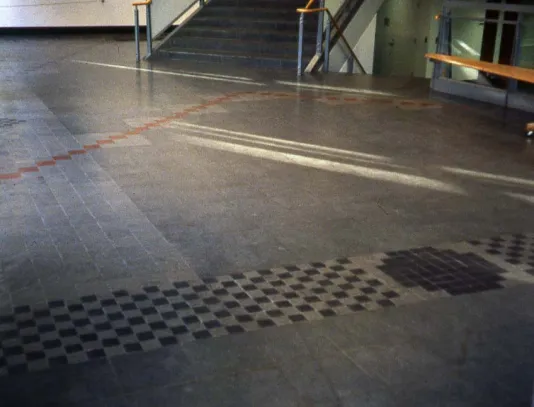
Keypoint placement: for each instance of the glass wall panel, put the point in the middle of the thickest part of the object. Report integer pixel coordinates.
(526, 49)
(466, 34)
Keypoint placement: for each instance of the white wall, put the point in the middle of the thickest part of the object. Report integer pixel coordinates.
(365, 48)
(84, 13)
(360, 34)
(66, 13)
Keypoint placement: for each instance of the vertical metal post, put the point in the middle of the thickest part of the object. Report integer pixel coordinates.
(440, 46)
(320, 21)
(350, 65)
(516, 52)
(448, 41)
(326, 64)
(148, 31)
(301, 42)
(511, 85)
(136, 31)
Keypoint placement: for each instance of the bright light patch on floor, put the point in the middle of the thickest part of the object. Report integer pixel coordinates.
(327, 165)
(213, 77)
(521, 197)
(336, 88)
(491, 177)
(254, 137)
(216, 75)
(276, 144)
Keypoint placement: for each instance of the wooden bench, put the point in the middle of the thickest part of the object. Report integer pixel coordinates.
(506, 71)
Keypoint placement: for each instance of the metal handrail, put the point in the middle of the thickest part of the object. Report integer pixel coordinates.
(136, 6)
(319, 48)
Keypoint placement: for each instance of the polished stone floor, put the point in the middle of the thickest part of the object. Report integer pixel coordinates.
(173, 234)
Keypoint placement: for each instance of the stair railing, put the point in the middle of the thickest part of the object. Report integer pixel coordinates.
(319, 49)
(136, 6)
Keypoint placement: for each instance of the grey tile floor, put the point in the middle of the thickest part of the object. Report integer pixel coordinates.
(259, 175)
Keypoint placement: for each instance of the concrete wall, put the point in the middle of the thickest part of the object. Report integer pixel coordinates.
(65, 13)
(406, 30)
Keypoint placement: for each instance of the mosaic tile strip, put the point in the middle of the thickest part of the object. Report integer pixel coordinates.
(63, 332)
(442, 270)
(516, 249)
(6, 122)
(66, 332)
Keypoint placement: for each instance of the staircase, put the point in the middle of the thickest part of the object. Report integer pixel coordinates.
(258, 33)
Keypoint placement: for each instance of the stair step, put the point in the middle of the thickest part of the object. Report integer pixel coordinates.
(208, 22)
(252, 13)
(242, 46)
(245, 34)
(273, 62)
(261, 33)
(293, 4)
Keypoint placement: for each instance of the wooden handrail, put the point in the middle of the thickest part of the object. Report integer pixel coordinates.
(507, 71)
(142, 3)
(311, 10)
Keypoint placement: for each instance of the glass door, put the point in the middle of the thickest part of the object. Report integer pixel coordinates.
(481, 32)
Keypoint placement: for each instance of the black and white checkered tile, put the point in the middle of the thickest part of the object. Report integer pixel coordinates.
(63, 332)
(515, 249)
(122, 322)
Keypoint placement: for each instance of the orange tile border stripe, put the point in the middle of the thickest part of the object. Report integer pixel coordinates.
(28, 169)
(13, 175)
(45, 163)
(92, 146)
(61, 157)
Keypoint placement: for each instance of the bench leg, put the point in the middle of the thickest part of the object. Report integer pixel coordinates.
(529, 129)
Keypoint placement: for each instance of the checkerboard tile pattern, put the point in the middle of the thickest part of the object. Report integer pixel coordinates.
(66, 332)
(74, 332)
(442, 270)
(517, 249)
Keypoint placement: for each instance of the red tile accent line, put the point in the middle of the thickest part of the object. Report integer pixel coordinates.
(46, 163)
(185, 113)
(92, 146)
(10, 176)
(61, 157)
(28, 169)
